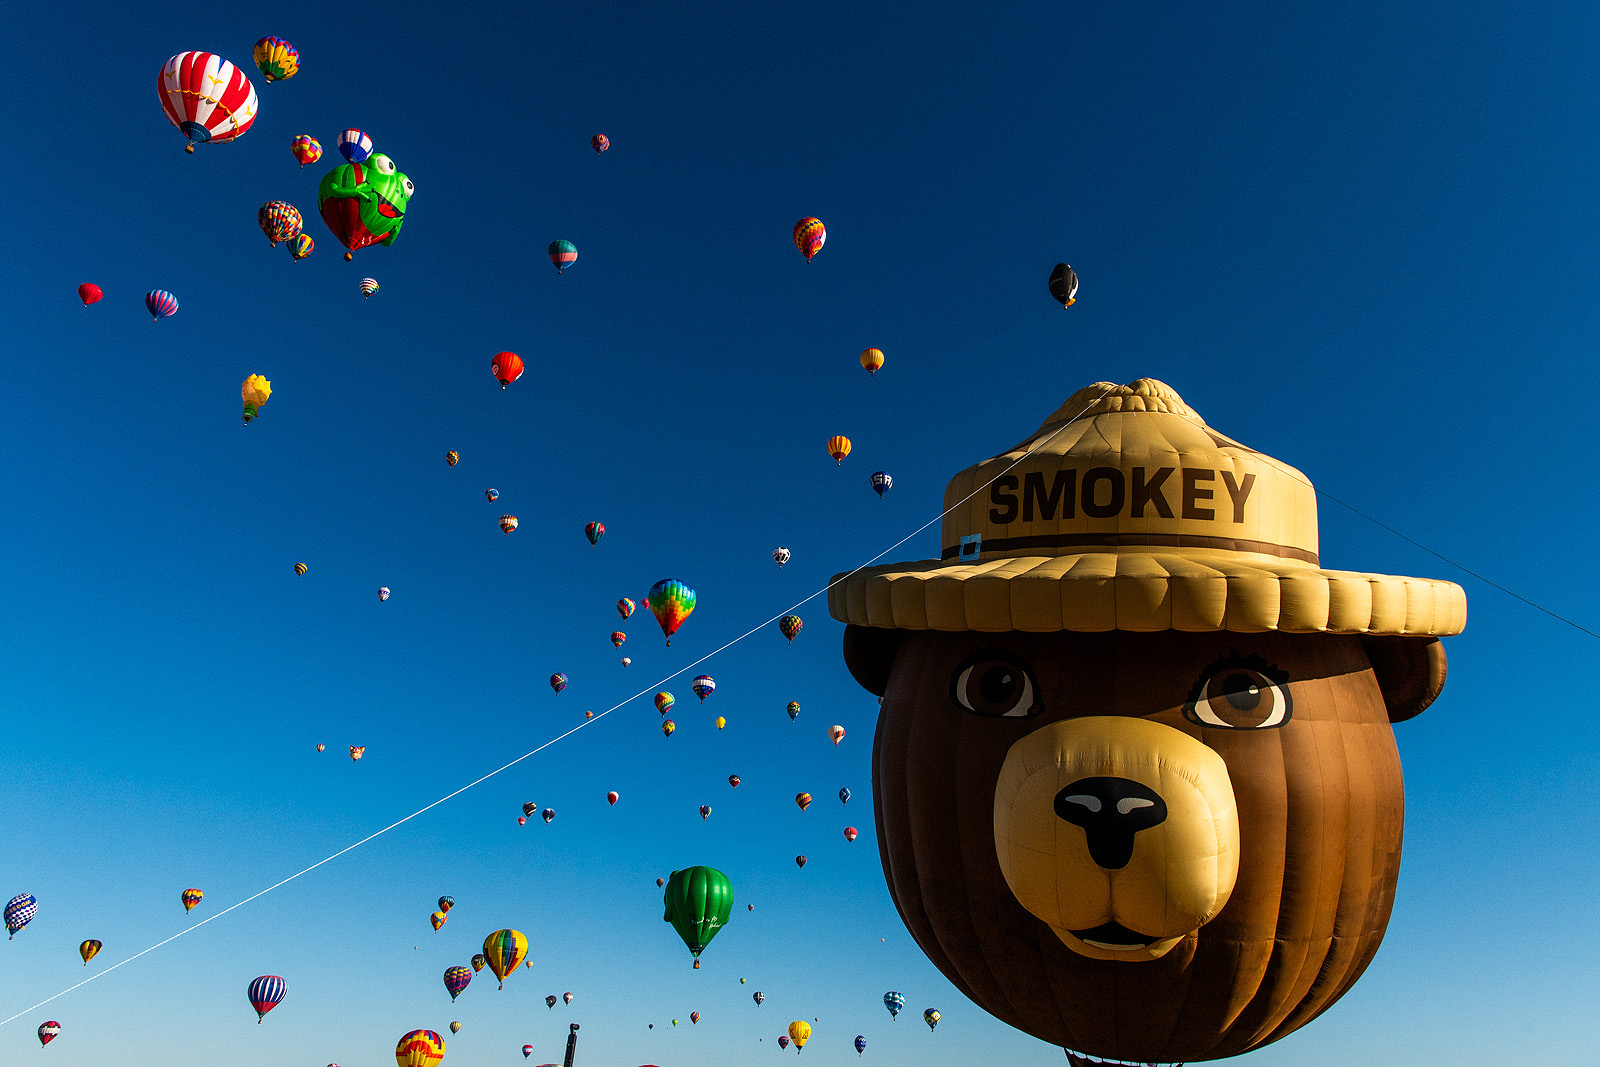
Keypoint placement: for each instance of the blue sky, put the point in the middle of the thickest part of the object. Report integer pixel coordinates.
(1360, 239)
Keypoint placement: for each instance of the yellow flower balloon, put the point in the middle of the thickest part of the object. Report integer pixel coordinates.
(254, 392)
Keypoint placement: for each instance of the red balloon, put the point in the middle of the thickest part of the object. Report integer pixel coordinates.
(507, 367)
(850, 833)
(611, 797)
(89, 293)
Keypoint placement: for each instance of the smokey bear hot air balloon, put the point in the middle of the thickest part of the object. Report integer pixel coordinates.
(1142, 678)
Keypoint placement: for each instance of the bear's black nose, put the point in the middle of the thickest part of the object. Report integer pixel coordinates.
(1111, 811)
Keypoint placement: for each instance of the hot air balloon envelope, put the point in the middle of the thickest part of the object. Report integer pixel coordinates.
(89, 950)
(207, 98)
(48, 1032)
(276, 58)
(419, 1048)
(563, 254)
(89, 293)
(698, 903)
(703, 686)
(1064, 285)
(266, 993)
(504, 950)
(671, 601)
(506, 367)
(872, 359)
(809, 235)
(599, 142)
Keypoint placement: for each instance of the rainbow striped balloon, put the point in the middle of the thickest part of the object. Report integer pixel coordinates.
(809, 236)
(301, 246)
(671, 602)
(161, 304)
(368, 287)
(419, 1048)
(306, 149)
(455, 980)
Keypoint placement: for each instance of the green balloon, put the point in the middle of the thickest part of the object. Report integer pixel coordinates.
(364, 203)
(699, 901)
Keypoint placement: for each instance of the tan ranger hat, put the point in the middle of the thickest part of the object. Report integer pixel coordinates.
(1127, 512)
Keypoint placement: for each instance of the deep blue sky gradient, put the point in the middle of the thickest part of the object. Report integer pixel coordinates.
(1360, 238)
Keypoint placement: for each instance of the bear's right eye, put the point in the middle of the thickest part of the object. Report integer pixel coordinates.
(995, 684)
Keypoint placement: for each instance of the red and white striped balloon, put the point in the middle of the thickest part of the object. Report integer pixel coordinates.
(206, 97)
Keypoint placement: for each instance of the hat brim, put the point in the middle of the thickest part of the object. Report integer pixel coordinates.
(1191, 589)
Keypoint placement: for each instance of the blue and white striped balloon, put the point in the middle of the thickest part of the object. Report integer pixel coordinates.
(354, 146)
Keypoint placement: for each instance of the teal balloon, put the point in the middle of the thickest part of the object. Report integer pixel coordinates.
(698, 902)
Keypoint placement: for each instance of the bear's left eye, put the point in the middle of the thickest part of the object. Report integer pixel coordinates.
(1237, 694)
(995, 684)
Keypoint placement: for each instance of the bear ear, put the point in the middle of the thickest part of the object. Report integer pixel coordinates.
(1410, 672)
(869, 653)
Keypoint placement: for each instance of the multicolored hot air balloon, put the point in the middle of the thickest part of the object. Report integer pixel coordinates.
(266, 993)
(455, 1027)
(300, 569)
(803, 799)
(882, 482)
(734, 780)
(780, 556)
(505, 950)
(1064, 285)
(364, 204)
(507, 367)
(667, 726)
(383, 593)
(48, 1032)
(207, 98)
(703, 686)
(599, 142)
(306, 149)
(838, 448)
(625, 607)
(478, 961)
(558, 681)
(793, 709)
(894, 1002)
(446, 903)
(783, 1041)
(617, 637)
(89, 293)
(20, 912)
(694, 1017)
(790, 625)
(850, 833)
(529, 808)
(594, 531)
(809, 235)
(758, 997)
(698, 903)
(664, 701)
(705, 812)
(871, 360)
(368, 287)
(301, 247)
(438, 919)
(931, 1017)
(89, 950)
(455, 980)
(419, 1048)
(161, 304)
(844, 795)
(491, 495)
(527, 1050)
(861, 1044)
(354, 146)
(799, 1033)
(566, 998)
(836, 734)
(547, 814)
(626, 661)
(357, 751)
(254, 392)
(508, 523)
(276, 59)
(563, 254)
(671, 601)
(799, 861)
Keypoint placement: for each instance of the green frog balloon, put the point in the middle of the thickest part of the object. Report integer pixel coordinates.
(364, 203)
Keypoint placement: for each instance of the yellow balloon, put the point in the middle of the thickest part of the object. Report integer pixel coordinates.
(254, 392)
(799, 1033)
(721, 722)
(872, 359)
(505, 950)
(838, 448)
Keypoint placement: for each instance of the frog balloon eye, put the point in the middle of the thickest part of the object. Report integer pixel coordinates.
(382, 164)
(995, 684)
(405, 183)
(1239, 693)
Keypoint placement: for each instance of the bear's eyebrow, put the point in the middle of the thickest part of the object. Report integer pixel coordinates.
(1236, 659)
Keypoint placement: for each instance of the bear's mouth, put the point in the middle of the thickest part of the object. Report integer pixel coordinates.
(1114, 936)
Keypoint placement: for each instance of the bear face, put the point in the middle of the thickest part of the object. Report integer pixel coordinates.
(1150, 846)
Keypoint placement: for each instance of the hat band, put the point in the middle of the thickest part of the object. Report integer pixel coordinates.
(1115, 540)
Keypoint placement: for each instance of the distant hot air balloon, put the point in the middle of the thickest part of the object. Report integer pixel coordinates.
(478, 961)
(368, 287)
(838, 448)
(733, 780)
(491, 495)
(809, 235)
(89, 293)
(625, 607)
(455, 1027)
(507, 367)
(207, 98)
(1064, 285)
(780, 556)
(161, 304)
(783, 1041)
(793, 709)
(667, 726)
(455, 980)
(505, 950)
(721, 722)
(419, 1048)
(438, 919)
(48, 1032)
(803, 799)
(357, 751)
(191, 897)
(550, 1001)
(547, 814)
(698, 902)
(850, 833)
(529, 808)
(882, 482)
(301, 247)
(705, 812)
(703, 686)
(508, 523)
(321, 747)
(612, 797)
(301, 568)
(522, 821)
(452, 457)
(306, 149)
(790, 625)
(617, 637)
(871, 360)
(254, 391)
(276, 58)
(563, 254)
(664, 702)
(799, 861)
(354, 146)
(599, 142)
(844, 795)
(279, 221)
(660, 882)
(836, 733)
(799, 1033)
(758, 997)
(558, 681)
(266, 993)
(626, 660)
(694, 1017)
(89, 950)
(671, 601)
(527, 1050)
(446, 903)
(566, 998)
(594, 531)
(861, 1044)
(383, 593)
(894, 1002)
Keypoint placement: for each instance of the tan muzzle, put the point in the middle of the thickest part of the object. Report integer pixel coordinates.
(1120, 833)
